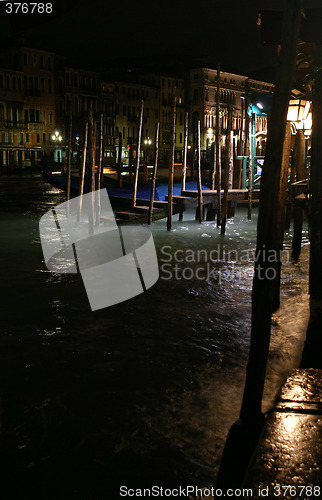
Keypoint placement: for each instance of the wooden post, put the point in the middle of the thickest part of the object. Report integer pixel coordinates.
(281, 212)
(268, 233)
(185, 151)
(200, 204)
(92, 186)
(69, 168)
(251, 164)
(171, 174)
(213, 166)
(154, 177)
(82, 177)
(184, 164)
(228, 168)
(145, 165)
(297, 210)
(130, 160)
(217, 147)
(136, 175)
(119, 161)
(99, 176)
(230, 137)
(240, 148)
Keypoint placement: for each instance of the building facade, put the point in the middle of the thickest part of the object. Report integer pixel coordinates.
(235, 93)
(27, 105)
(40, 95)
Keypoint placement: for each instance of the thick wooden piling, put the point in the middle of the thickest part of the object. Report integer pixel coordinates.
(243, 435)
(154, 176)
(268, 234)
(138, 151)
(82, 176)
(171, 173)
(281, 208)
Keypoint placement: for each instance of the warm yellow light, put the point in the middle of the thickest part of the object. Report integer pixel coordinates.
(298, 110)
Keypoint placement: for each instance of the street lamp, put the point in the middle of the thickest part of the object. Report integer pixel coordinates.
(56, 137)
(298, 110)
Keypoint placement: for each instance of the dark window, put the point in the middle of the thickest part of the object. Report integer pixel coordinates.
(38, 138)
(27, 137)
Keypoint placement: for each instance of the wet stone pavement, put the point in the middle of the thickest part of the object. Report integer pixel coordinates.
(287, 461)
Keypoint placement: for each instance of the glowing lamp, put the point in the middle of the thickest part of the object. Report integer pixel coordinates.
(298, 109)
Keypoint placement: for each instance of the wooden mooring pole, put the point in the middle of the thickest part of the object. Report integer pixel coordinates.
(154, 176)
(119, 161)
(228, 168)
(99, 176)
(315, 281)
(243, 435)
(217, 148)
(138, 151)
(185, 153)
(69, 168)
(251, 163)
(200, 204)
(171, 173)
(92, 186)
(299, 160)
(82, 176)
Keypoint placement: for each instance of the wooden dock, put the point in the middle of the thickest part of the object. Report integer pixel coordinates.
(186, 201)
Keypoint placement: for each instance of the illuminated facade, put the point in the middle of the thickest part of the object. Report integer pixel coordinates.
(235, 91)
(27, 105)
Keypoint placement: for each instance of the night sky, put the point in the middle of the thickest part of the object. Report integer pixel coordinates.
(94, 31)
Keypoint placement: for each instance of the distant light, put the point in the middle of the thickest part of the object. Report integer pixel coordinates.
(259, 105)
(242, 97)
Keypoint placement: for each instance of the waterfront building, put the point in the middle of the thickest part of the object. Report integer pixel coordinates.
(27, 105)
(235, 91)
(40, 92)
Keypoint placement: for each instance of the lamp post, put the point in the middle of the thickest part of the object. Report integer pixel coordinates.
(57, 138)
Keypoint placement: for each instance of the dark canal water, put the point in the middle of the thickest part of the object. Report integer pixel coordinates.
(139, 393)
